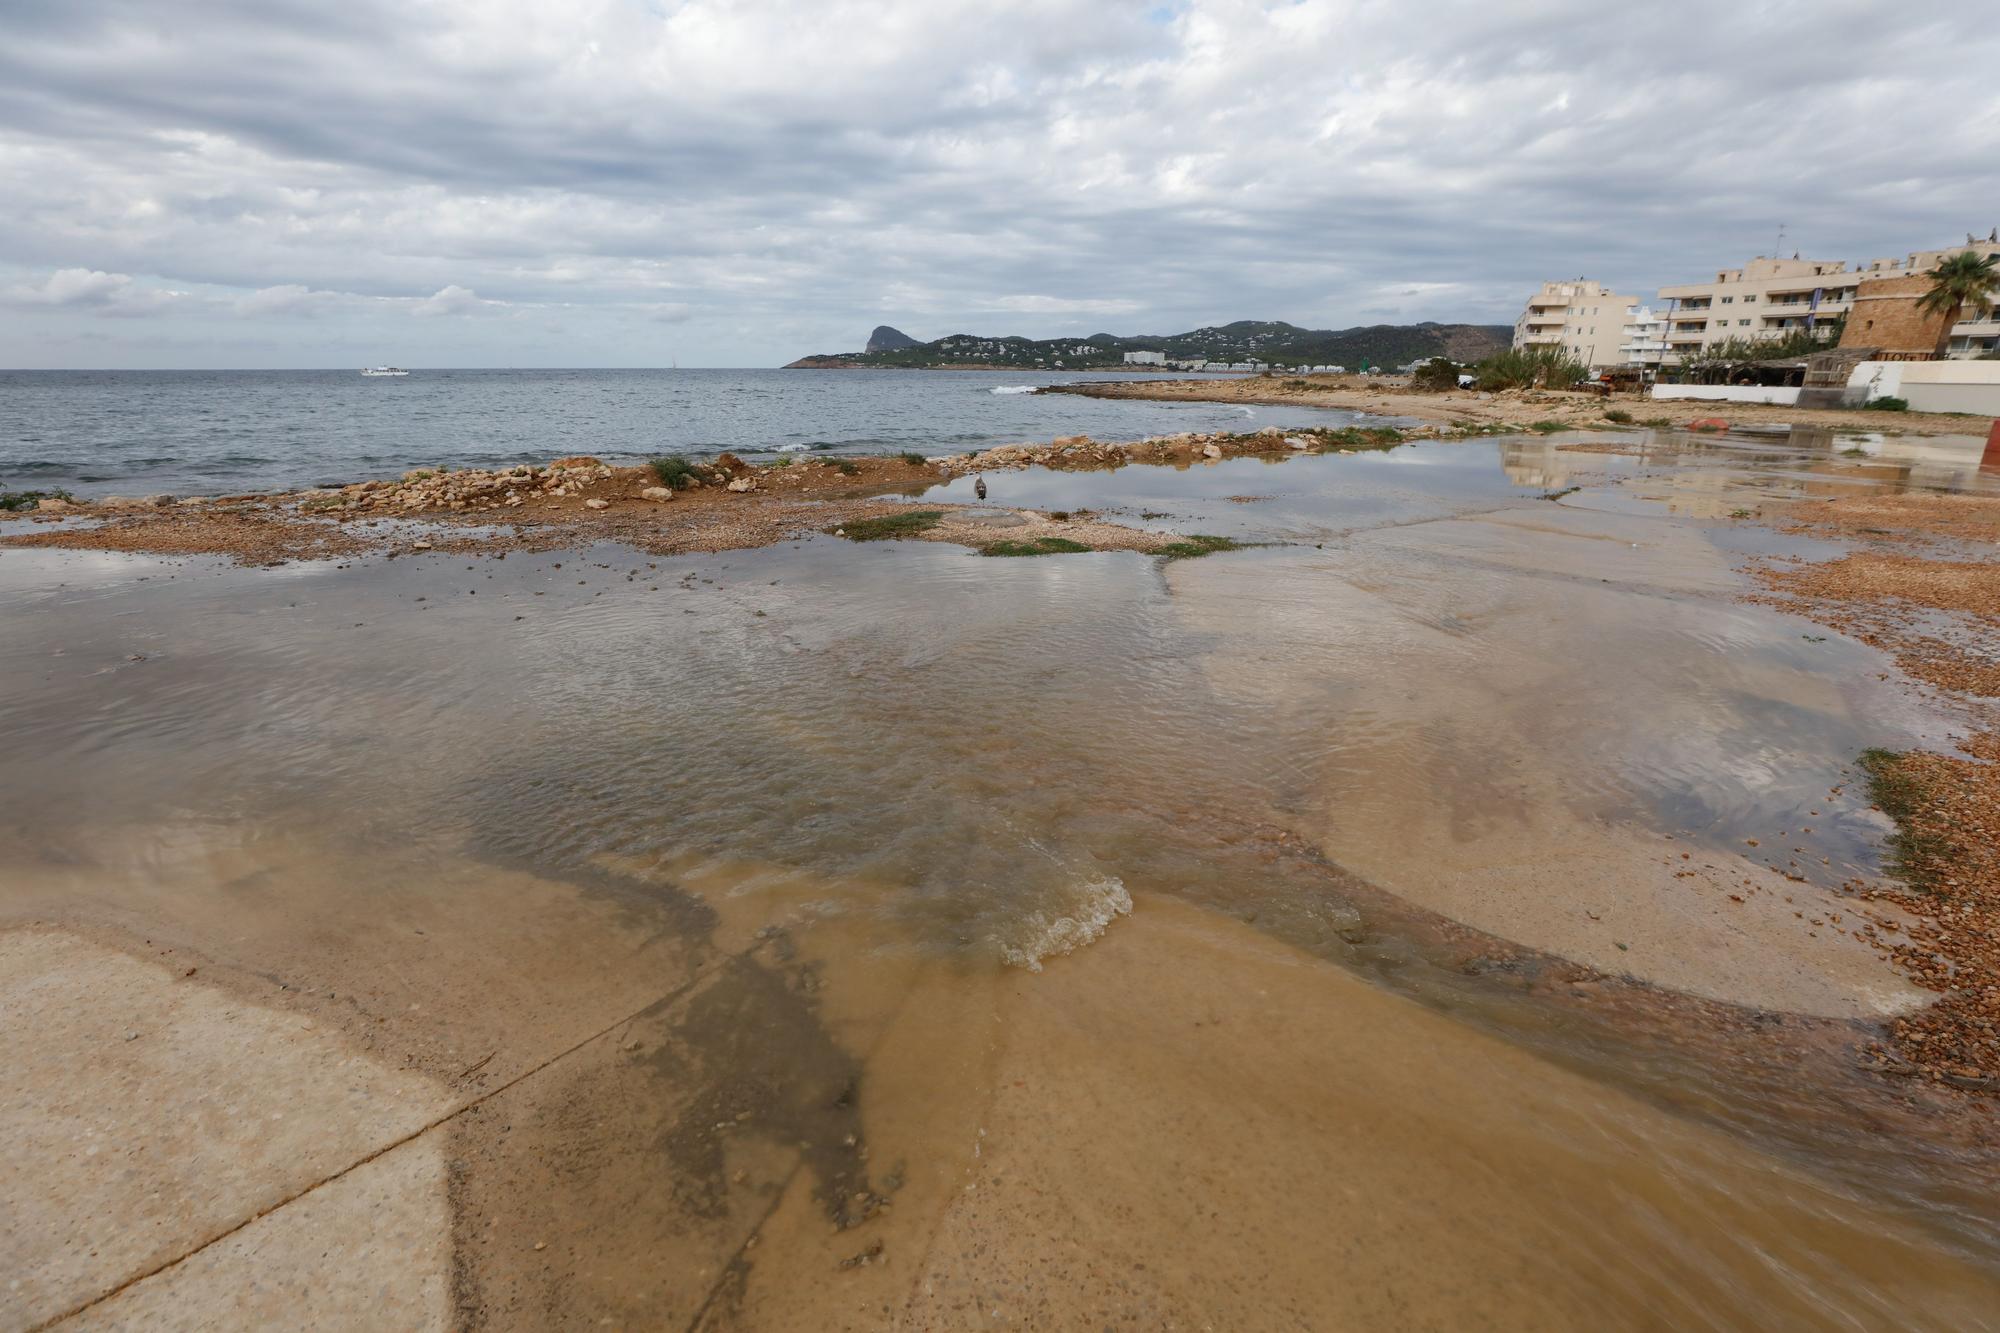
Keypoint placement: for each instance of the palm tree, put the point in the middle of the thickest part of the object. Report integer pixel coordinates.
(1963, 282)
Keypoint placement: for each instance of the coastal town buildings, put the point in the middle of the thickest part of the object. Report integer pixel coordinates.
(1145, 358)
(1584, 318)
(1766, 298)
(1771, 297)
(1643, 337)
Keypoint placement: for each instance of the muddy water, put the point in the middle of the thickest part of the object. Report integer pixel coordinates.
(1334, 933)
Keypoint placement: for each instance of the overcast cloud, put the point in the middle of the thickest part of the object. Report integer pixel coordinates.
(628, 182)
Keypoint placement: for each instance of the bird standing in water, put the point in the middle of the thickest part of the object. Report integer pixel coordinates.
(979, 487)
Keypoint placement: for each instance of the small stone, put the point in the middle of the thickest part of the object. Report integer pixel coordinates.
(1211, 451)
(1294, 442)
(656, 493)
(742, 484)
(597, 504)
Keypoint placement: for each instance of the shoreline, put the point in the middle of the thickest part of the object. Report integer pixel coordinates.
(579, 499)
(1517, 409)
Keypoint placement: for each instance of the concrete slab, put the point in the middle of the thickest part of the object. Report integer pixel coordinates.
(369, 1250)
(145, 1113)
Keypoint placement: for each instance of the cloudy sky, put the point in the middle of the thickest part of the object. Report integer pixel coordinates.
(737, 182)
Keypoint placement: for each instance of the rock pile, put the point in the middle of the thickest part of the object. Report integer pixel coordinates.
(472, 489)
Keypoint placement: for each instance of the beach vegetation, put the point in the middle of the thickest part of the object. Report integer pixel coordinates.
(913, 458)
(1961, 285)
(18, 501)
(1034, 546)
(1658, 423)
(782, 460)
(1619, 415)
(1557, 495)
(1888, 403)
(1550, 427)
(1362, 437)
(891, 526)
(846, 467)
(1719, 362)
(1198, 545)
(1434, 375)
(1530, 368)
(677, 473)
(1917, 849)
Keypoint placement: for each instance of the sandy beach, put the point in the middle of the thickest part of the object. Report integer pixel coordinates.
(1344, 879)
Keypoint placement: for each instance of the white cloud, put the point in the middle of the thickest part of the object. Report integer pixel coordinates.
(766, 179)
(453, 300)
(1060, 305)
(285, 299)
(92, 289)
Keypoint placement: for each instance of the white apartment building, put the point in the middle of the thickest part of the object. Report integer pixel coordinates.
(1765, 298)
(1582, 317)
(1771, 297)
(1643, 337)
(1145, 358)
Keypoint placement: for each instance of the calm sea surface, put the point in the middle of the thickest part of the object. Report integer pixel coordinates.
(197, 432)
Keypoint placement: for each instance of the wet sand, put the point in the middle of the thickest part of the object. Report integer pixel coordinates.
(639, 929)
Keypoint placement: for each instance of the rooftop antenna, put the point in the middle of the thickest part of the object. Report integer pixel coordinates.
(1779, 248)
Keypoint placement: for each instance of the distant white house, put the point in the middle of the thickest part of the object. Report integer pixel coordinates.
(1145, 358)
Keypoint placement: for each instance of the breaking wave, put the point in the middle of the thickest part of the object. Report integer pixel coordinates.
(1012, 388)
(1043, 935)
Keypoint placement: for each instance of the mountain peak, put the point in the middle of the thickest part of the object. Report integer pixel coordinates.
(886, 339)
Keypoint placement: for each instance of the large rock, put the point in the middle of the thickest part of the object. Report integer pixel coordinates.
(886, 339)
(656, 493)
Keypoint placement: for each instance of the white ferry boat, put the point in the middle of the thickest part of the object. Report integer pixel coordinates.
(384, 370)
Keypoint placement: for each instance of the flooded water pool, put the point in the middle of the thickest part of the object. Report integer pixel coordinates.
(1399, 921)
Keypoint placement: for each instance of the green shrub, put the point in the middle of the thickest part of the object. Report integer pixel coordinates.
(1436, 373)
(1362, 437)
(1034, 546)
(1887, 405)
(1619, 415)
(1550, 427)
(912, 457)
(676, 472)
(846, 467)
(891, 526)
(17, 501)
(1531, 368)
(783, 460)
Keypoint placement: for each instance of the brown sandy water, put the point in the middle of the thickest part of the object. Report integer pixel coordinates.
(702, 897)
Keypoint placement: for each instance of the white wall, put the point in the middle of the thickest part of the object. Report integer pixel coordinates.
(1730, 393)
(1933, 386)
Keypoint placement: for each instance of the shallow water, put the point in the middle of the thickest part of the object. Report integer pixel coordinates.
(1361, 790)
